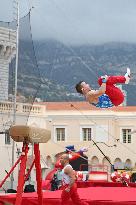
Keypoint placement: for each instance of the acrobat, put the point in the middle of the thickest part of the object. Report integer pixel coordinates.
(108, 95)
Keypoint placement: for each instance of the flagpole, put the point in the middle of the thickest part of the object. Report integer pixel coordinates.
(15, 86)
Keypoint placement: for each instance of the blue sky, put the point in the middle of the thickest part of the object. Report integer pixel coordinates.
(78, 21)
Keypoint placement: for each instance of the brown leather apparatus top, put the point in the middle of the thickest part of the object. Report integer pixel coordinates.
(22, 133)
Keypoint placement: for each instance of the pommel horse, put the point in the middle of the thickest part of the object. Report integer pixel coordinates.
(26, 134)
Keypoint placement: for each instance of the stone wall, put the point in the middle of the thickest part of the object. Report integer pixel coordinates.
(7, 53)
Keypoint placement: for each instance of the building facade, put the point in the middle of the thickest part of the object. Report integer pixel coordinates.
(78, 124)
(7, 52)
(81, 125)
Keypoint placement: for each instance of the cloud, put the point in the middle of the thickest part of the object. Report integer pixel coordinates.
(81, 21)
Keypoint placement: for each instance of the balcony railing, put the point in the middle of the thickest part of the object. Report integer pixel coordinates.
(22, 108)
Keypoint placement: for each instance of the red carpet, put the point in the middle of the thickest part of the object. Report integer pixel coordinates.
(92, 195)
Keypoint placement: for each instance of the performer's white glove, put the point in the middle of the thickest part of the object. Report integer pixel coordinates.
(104, 78)
(83, 149)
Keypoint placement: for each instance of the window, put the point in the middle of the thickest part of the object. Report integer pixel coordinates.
(7, 138)
(86, 134)
(60, 134)
(126, 136)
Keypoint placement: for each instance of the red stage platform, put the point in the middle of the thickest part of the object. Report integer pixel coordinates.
(81, 184)
(92, 195)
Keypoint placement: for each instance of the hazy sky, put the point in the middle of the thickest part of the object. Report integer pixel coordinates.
(78, 21)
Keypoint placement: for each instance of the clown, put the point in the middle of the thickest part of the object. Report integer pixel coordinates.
(69, 187)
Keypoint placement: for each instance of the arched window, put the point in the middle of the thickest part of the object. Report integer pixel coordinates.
(94, 164)
(49, 161)
(106, 164)
(94, 160)
(128, 164)
(118, 164)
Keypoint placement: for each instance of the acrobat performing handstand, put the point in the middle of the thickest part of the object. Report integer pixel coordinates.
(108, 95)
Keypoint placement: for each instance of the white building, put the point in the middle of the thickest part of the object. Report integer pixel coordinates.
(76, 123)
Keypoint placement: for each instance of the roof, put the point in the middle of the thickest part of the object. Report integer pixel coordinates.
(83, 106)
(67, 105)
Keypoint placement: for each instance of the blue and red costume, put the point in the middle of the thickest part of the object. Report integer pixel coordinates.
(115, 95)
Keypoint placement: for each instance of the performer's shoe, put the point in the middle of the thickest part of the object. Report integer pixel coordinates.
(127, 76)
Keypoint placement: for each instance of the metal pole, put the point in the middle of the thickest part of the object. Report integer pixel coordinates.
(15, 88)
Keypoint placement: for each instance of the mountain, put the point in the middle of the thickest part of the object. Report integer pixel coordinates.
(62, 66)
(67, 65)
